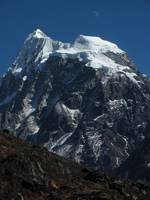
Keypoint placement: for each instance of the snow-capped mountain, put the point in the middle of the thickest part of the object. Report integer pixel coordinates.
(85, 101)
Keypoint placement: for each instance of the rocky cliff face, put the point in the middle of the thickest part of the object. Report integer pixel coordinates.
(137, 166)
(85, 101)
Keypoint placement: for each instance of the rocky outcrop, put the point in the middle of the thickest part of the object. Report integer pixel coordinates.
(137, 166)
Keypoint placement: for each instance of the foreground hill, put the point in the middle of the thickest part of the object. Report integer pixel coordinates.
(29, 172)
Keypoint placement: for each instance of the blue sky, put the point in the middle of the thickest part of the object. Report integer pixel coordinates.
(124, 22)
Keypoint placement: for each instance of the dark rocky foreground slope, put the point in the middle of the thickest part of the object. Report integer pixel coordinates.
(29, 172)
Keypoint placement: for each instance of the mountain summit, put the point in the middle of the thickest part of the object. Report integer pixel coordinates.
(38, 47)
(85, 101)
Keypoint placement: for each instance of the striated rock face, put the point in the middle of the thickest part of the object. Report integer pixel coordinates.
(85, 101)
(137, 166)
(29, 172)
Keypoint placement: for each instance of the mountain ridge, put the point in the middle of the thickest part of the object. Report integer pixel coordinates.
(88, 105)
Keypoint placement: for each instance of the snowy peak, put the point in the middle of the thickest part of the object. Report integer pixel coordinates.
(38, 47)
(95, 43)
(36, 41)
(35, 51)
(37, 34)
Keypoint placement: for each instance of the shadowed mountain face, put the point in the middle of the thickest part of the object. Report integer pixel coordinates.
(137, 166)
(85, 101)
(29, 172)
